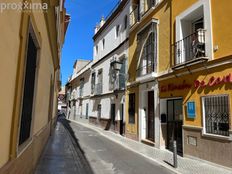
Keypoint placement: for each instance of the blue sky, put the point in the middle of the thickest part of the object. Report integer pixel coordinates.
(78, 42)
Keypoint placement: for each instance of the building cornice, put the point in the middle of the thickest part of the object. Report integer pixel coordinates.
(111, 18)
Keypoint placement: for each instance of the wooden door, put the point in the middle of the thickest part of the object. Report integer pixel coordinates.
(150, 113)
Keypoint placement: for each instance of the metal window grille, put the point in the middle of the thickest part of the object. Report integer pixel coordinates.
(217, 115)
(147, 50)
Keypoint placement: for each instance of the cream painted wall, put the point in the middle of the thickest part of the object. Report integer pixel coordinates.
(9, 49)
(46, 70)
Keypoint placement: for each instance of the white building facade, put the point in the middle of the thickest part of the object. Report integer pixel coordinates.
(109, 67)
(78, 91)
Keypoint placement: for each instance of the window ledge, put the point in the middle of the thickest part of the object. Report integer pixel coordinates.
(23, 147)
(218, 137)
(134, 26)
(146, 77)
(190, 63)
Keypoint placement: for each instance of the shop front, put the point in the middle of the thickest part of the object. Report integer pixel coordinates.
(195, 111)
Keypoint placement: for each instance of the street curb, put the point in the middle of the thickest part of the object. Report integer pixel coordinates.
(100, 132)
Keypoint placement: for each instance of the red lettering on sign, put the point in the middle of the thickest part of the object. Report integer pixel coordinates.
(213, 81)
(172, 87)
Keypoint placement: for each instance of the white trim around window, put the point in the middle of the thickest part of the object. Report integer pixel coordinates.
(212, 135)
(206, 5)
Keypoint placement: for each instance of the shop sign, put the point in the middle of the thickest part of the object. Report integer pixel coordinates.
(173, 86)
(191, 110)
(213, 81)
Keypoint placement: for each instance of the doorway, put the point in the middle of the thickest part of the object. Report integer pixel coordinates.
(122, 120)
(174, 124)
(150, 119)
(112, 116)
(98, 113)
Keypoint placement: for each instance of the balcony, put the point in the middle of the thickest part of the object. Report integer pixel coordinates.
(145, 70)
(146, 6)
(81, 92)
(119, 82)
(134, 16)
(139, 9)
(98, 89)
(190, 49)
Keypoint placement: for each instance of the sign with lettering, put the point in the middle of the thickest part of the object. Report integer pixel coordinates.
(213, 81)
(172, 86)
(191, 111)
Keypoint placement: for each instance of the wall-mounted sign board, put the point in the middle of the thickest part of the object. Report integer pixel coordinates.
(191, 109)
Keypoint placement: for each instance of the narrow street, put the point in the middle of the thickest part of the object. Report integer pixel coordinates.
(76, 149)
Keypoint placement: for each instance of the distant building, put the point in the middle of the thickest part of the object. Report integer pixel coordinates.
(97, 91)
(78, 90)
(61, 101)
(109, 67)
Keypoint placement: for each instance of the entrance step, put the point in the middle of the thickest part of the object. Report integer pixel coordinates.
(148, 142)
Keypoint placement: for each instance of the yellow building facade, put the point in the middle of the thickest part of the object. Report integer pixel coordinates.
(30, 57)
(149, 47)
(198, 86)
(192, 82)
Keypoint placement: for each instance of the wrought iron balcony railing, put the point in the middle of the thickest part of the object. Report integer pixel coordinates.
(145, 70)
(147, 5)
(98, 89)
(190, 48)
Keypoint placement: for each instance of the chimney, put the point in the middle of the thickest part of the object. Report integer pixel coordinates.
(96, 29)
(102, 21)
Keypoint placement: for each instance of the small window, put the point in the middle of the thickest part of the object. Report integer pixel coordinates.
(132, 108)
(216, 115)
(117, 30)
(93, 81)
(96, 49)
(103, 44)
(125, 22)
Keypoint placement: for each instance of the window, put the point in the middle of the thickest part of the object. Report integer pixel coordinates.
(99, 111)
(28, 93)
(112, 76)
(99, 82)
(93, 83)
(193, 34)
(132, 108)
(147, 50)
(122, 73)
(117, 30)
(87, 111)
(82, 81)
(96, 49)
(216, 115)
(103, 44)
(125, 22)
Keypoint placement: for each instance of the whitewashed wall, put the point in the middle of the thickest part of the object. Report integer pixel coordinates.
(109, 34)
(111, 42)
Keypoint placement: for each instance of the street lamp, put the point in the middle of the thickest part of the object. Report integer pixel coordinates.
(117, 65)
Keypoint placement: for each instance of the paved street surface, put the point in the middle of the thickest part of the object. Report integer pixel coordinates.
(77, 149)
